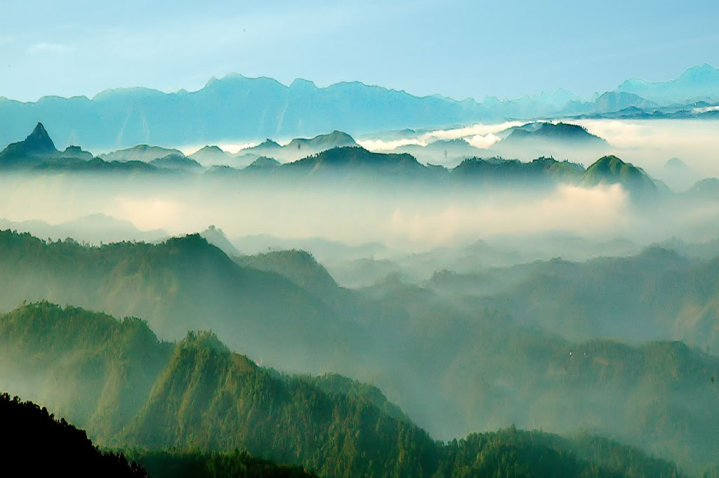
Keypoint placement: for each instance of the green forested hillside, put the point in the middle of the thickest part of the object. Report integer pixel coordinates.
(205, 397)
(210, 398)
(612, 170)
(455, 362)
(181, 284)
(213, 464)
(90, 368)
(498, 170)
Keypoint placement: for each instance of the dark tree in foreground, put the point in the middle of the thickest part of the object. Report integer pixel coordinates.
(34, 443)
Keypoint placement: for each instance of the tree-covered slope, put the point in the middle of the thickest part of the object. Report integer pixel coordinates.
(455, 362)
(90, 368)
(208, 398)
(178, 285)
(612, 170)
(213, 464)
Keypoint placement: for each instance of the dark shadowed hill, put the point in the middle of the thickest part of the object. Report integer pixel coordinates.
(559, 132)
(355, 162)
(35, 443)
(29, 152)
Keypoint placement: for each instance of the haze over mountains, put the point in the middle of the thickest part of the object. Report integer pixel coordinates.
(236, 108)
(354, 281)
(459, 353)
(339, 156)
(139, 391)
(161, 189)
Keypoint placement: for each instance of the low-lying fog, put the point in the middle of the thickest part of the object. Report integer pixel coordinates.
(410, 217)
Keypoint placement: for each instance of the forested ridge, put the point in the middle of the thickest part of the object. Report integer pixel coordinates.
(197, 394)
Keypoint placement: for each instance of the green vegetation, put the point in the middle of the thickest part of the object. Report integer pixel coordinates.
(503, 170)
(456, 359)
(207, 464)
(205, 397)
(612, 170)
(337, 157)
(357, 161)
(179, 285)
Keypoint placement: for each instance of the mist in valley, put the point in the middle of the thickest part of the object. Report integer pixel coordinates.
(473, 302)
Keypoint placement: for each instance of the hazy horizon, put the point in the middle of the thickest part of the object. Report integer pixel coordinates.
(92, 48)
(401, 282)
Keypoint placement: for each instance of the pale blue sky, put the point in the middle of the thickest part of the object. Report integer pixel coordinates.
(456, 48)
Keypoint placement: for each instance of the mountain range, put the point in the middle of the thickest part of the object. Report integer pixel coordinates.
(237, 108)
(337, 156)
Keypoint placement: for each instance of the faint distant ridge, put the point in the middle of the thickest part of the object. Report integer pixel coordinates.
(564, 132)
(266, 145)
(335, 139)
(620, 100)
(696, 83)
(217, 238)
(237, 108)
(140, 152)
(298, 147)
(176, 161)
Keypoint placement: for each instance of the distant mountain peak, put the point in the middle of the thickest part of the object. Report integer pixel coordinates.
(700, 70)
(263, 162)
(216, 237)
(302, 83)
(560, 131)
(611, 169)
(39, 141)
(334, 139)
(268, 143)
(697, 82)
(211, 148)
(203, 340)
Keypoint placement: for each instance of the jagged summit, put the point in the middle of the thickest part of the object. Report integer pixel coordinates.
(39, 141)
(267, 143)
(33, 148)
